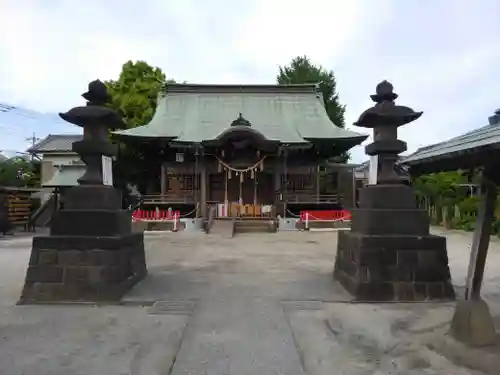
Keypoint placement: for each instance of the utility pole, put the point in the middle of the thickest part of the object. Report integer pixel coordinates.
(33, 139)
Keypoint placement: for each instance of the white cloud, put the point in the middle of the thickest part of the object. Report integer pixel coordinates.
(441, 57)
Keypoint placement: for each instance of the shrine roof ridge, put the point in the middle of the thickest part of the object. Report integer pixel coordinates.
(240, 88)
(453, 151)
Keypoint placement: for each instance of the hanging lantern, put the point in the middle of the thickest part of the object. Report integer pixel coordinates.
(252, 174)
(262, 165)
(241, 177)
(222, 153)
(228, 174)
(219, 167)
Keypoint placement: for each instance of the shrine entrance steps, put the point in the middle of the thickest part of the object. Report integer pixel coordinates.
(229, 227)
(254, 225)
(222, 227)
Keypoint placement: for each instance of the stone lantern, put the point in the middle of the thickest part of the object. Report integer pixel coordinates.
(389, 254)
(91, 253)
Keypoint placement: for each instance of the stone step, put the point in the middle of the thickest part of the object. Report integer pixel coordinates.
(252, 223)
(223, 228)
(252, 230)
(254, 226)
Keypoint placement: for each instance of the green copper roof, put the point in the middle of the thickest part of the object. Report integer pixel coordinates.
(284, 113)
(476, 141)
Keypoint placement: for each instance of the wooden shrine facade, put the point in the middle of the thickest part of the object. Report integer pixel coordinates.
(256, 148)
(260, 185)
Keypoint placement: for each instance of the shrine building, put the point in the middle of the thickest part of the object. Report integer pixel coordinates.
(251, 150)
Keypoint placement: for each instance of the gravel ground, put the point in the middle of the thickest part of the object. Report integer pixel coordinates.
(261, 304)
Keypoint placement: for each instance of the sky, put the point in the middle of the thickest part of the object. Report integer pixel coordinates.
(441, 56)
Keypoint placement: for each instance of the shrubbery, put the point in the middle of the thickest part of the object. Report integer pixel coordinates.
(449, 202)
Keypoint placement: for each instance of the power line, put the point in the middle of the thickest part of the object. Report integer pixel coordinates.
(33, 139)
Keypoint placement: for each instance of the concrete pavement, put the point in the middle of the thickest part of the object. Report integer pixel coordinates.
(254, 304)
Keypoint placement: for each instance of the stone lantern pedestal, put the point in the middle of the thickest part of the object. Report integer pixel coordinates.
(389, 255)
(91, 253)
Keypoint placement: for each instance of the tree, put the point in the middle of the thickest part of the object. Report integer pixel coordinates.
(19, 172)
(301, 70)
(135, 92)
(443, 191)
(134, 96)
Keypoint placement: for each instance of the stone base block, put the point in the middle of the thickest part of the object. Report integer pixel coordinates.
(393, 267)
(390, 222)
(102, 197)
(472, 323)
(91, 222)
(83, 268)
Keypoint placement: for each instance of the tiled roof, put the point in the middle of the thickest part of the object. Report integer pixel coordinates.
(55, 143)
(477, 140)
(284, 113)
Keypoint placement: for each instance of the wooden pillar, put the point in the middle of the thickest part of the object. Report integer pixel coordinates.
(203, 185)
(226, 178)
(481, 240)
(255, 183)
(317, 182)
(285, 180)
(277, 180)
(472, 322)
(163, 179)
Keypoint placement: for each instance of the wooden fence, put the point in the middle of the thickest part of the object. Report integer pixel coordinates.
(15, 206)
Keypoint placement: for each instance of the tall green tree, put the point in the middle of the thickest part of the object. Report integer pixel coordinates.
(302, 70)
(134, 96)
(135, 92)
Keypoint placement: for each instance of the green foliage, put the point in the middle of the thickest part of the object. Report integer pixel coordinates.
(135, 92)
(134, 96)
(442, 187)
(440, 192)
(468, 206)
(19, 172)
(444, 194)
(301, 70)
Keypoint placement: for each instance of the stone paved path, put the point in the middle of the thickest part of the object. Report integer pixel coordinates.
(238, 335)
(255, 304)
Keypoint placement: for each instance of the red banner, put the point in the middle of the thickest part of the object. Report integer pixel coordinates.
(325, 215)
(155, 215)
